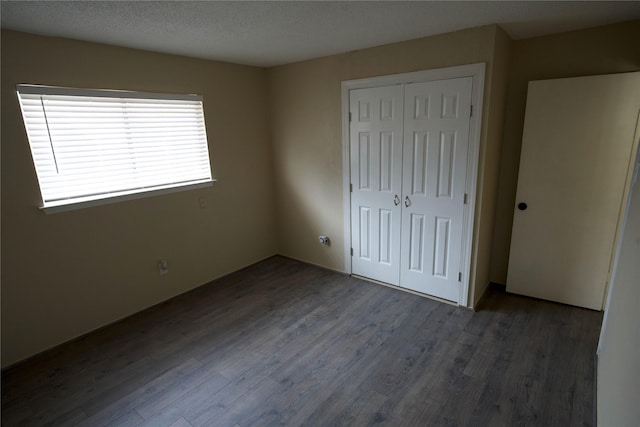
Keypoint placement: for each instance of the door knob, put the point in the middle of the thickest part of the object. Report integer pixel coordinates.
(522, 206)
(396, 200)
(407, 202)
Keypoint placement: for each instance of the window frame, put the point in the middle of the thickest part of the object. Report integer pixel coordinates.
(105, 198)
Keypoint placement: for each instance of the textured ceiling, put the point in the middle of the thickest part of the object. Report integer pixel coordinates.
(273, 33)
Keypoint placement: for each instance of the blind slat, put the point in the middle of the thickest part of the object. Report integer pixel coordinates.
(86, 144)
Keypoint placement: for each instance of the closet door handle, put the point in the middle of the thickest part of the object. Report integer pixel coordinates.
(396, 200)
(407, 202)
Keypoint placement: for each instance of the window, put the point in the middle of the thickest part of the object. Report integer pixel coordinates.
(92, 145)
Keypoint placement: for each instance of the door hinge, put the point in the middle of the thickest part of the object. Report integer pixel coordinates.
(471, 111)
(349, 115)
(460, 277)
(465, 198)
(351, 251)
(350, 188)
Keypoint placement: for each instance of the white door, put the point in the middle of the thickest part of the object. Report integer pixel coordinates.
(376, 179)
(436, 142)
(577, 143)
(408, 154)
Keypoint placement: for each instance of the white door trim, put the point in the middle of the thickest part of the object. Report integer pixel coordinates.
(476, 72)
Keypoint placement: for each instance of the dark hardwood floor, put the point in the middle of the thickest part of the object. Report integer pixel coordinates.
(285, 343)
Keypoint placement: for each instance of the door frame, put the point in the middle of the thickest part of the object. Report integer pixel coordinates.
(477, 73)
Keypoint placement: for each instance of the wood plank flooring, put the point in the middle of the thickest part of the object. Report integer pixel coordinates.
(286, 343)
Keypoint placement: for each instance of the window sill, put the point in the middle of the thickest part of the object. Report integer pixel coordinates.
(64, 207)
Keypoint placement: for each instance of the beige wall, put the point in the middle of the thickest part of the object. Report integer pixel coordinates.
(305, 106)
(67, 273)
(618, 354)
(602, 50)
(490, 166)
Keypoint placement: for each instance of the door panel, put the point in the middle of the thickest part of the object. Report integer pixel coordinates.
(416, 242)
(436, 128)
(577, 142)
(376, 160)
(441, 246)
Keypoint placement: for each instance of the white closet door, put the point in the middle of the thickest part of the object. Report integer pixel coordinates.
(436, 140)
(376, 174)
(577, 141)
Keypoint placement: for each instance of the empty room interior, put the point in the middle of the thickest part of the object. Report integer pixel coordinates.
(390, 213)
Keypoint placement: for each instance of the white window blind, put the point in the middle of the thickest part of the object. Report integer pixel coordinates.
(95, 144)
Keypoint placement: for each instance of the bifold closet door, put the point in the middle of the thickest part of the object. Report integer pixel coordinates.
(408, 154)
(436, 142)
(376, 175)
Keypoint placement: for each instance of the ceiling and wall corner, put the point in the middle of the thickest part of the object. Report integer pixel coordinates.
(273, 33)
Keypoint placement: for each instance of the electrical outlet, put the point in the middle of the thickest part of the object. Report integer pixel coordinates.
(324, 240)
(163, 267)
(202, 202)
